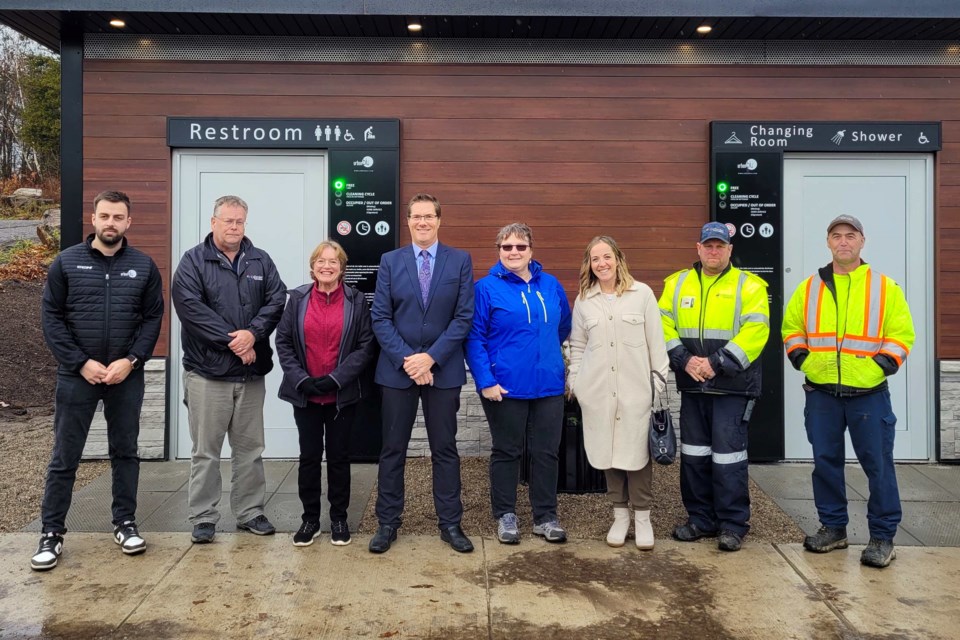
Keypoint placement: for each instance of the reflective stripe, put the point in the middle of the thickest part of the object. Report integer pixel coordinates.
(755, 317)
(795, 341)
(667, 314)
(729, 458)
(738, 303)
(813, 295)
(694, 450)
(875, 300)
(718, 334)
(673, 344)
(689, 333)
(896, 350)
(737, 352)
(822, 343)
(860, 346)
(676, 295)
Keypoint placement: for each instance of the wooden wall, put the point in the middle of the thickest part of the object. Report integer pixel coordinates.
(573, 151)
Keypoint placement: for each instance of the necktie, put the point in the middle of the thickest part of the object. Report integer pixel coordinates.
(425, 275)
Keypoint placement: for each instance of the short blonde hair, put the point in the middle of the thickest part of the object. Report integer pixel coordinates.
(337, 248)
(518, 229)
(587, 277)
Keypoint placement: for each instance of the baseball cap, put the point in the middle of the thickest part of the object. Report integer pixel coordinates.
(715, 231)
(845, 219)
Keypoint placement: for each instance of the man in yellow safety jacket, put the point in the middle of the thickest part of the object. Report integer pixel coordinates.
(716, 321)
(847, 328)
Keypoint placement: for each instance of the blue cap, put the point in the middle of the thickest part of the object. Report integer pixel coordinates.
(715, 231)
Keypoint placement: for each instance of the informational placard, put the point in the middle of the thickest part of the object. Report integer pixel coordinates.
(364, 187)
(826, 136)
(747, 196)
(273, 133)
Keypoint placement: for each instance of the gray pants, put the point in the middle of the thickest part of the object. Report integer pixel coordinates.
(217, 408)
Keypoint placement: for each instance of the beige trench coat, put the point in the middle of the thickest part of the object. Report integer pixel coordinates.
(614, 345)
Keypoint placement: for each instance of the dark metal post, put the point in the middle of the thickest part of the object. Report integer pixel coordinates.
(71, 130)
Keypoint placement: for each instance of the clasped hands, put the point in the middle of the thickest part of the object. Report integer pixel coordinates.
(418, 366)
(115, 373)
(699, 369)
(319, 386)
(242, 345)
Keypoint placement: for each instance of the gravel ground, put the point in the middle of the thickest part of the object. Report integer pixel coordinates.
(583, 516)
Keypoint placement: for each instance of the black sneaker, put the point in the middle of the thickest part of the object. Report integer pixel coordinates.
(339, 533)
(729, 541)
(259, 525)
(129, 539)
(48, 552)
(826, 539)
(203, 532)
(878, 553)
(690, 532)
(306, 533)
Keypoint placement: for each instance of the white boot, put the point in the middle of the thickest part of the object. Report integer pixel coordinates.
(643, 531)
(621, 525)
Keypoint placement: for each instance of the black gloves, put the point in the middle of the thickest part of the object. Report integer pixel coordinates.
(318, 386)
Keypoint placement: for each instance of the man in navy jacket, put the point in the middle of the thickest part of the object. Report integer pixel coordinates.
(422, 312)
(102, 308)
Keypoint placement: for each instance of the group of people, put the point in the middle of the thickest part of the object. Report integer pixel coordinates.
(847, 328)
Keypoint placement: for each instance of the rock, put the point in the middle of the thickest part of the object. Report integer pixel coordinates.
(51, 217)
(24, 196)
(49, 228)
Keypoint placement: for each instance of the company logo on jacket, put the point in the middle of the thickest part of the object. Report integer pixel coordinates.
(132, 273)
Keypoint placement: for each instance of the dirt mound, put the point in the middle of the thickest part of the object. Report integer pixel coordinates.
(27, 369)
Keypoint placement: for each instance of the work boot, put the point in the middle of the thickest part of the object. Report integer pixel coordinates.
(878, 553)
(642, 530)
(617, 535)
(826, 539)
(729, 541)
(690, 532)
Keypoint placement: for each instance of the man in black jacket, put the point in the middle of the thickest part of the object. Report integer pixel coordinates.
(101, 314)
(229, 298)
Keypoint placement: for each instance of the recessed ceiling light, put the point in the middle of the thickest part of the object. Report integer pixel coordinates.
(704, 28)
(119, 24)
(414, 26)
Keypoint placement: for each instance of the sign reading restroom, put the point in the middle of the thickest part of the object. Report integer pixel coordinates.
(263, 133)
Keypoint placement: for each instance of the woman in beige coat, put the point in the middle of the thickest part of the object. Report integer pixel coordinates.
(616, 343)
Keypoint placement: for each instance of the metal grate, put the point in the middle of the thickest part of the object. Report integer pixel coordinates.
(513, 51)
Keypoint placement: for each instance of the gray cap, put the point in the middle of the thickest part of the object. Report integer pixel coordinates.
(845, 219)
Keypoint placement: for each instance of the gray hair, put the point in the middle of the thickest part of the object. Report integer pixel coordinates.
(518, 229)
(235, 201)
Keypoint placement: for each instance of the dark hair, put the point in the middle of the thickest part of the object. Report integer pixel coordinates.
(112, 196)
(423, 197)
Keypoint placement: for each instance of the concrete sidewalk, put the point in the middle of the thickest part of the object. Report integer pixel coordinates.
(243, 586)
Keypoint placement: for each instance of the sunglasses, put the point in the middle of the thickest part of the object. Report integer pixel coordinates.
(510, 247)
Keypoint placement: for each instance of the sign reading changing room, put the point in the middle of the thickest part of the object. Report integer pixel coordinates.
(257, 133)
(826, 136)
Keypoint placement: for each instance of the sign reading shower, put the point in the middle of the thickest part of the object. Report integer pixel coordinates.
(826, 136)
(363, 160)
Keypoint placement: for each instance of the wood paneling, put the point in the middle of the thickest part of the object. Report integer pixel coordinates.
(572, 150)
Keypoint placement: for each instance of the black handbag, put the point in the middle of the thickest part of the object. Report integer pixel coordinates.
(663, 437)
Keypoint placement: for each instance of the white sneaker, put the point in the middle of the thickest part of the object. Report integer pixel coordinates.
(617, 535)
(643, 531)
(127, 536)
(48, 552)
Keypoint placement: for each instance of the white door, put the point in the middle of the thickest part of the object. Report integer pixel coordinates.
(285, 192)
(892, 197)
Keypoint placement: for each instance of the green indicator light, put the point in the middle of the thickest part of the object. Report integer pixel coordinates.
(338, 184)
(722, 187)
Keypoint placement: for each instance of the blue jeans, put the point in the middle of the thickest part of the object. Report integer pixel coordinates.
(77, 402)
(872, 429)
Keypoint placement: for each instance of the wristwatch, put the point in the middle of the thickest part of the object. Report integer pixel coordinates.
(134, 361)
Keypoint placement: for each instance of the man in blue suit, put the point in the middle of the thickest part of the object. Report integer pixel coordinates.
(422, 312)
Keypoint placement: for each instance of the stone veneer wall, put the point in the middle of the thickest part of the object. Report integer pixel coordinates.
(950, 410)
(153, 417)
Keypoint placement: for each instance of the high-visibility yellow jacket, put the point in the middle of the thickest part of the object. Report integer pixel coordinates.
(848, 333)
(725, 318)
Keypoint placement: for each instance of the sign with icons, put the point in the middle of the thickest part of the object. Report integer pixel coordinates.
(826, 136)
(272, 133)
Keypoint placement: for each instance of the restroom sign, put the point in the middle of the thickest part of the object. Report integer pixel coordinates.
(271, 133)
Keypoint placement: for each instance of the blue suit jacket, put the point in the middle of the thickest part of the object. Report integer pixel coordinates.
(404, 327)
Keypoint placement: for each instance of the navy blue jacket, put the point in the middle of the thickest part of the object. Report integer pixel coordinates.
(213, 300)
(404, 327)
(517, 331)
(101, 308)
(357, 346)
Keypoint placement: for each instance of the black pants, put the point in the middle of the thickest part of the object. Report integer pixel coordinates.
(77, 402)
(440, 408)
(539, 422)
(316, 424)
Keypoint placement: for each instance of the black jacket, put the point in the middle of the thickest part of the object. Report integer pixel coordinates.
(358, 347)
(101, 308)
(213, 300)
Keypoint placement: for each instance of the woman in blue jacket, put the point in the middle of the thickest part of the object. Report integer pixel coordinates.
(324, 342)
(521, 317)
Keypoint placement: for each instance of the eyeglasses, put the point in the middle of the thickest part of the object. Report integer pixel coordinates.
(429, 218)
(510, 247)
